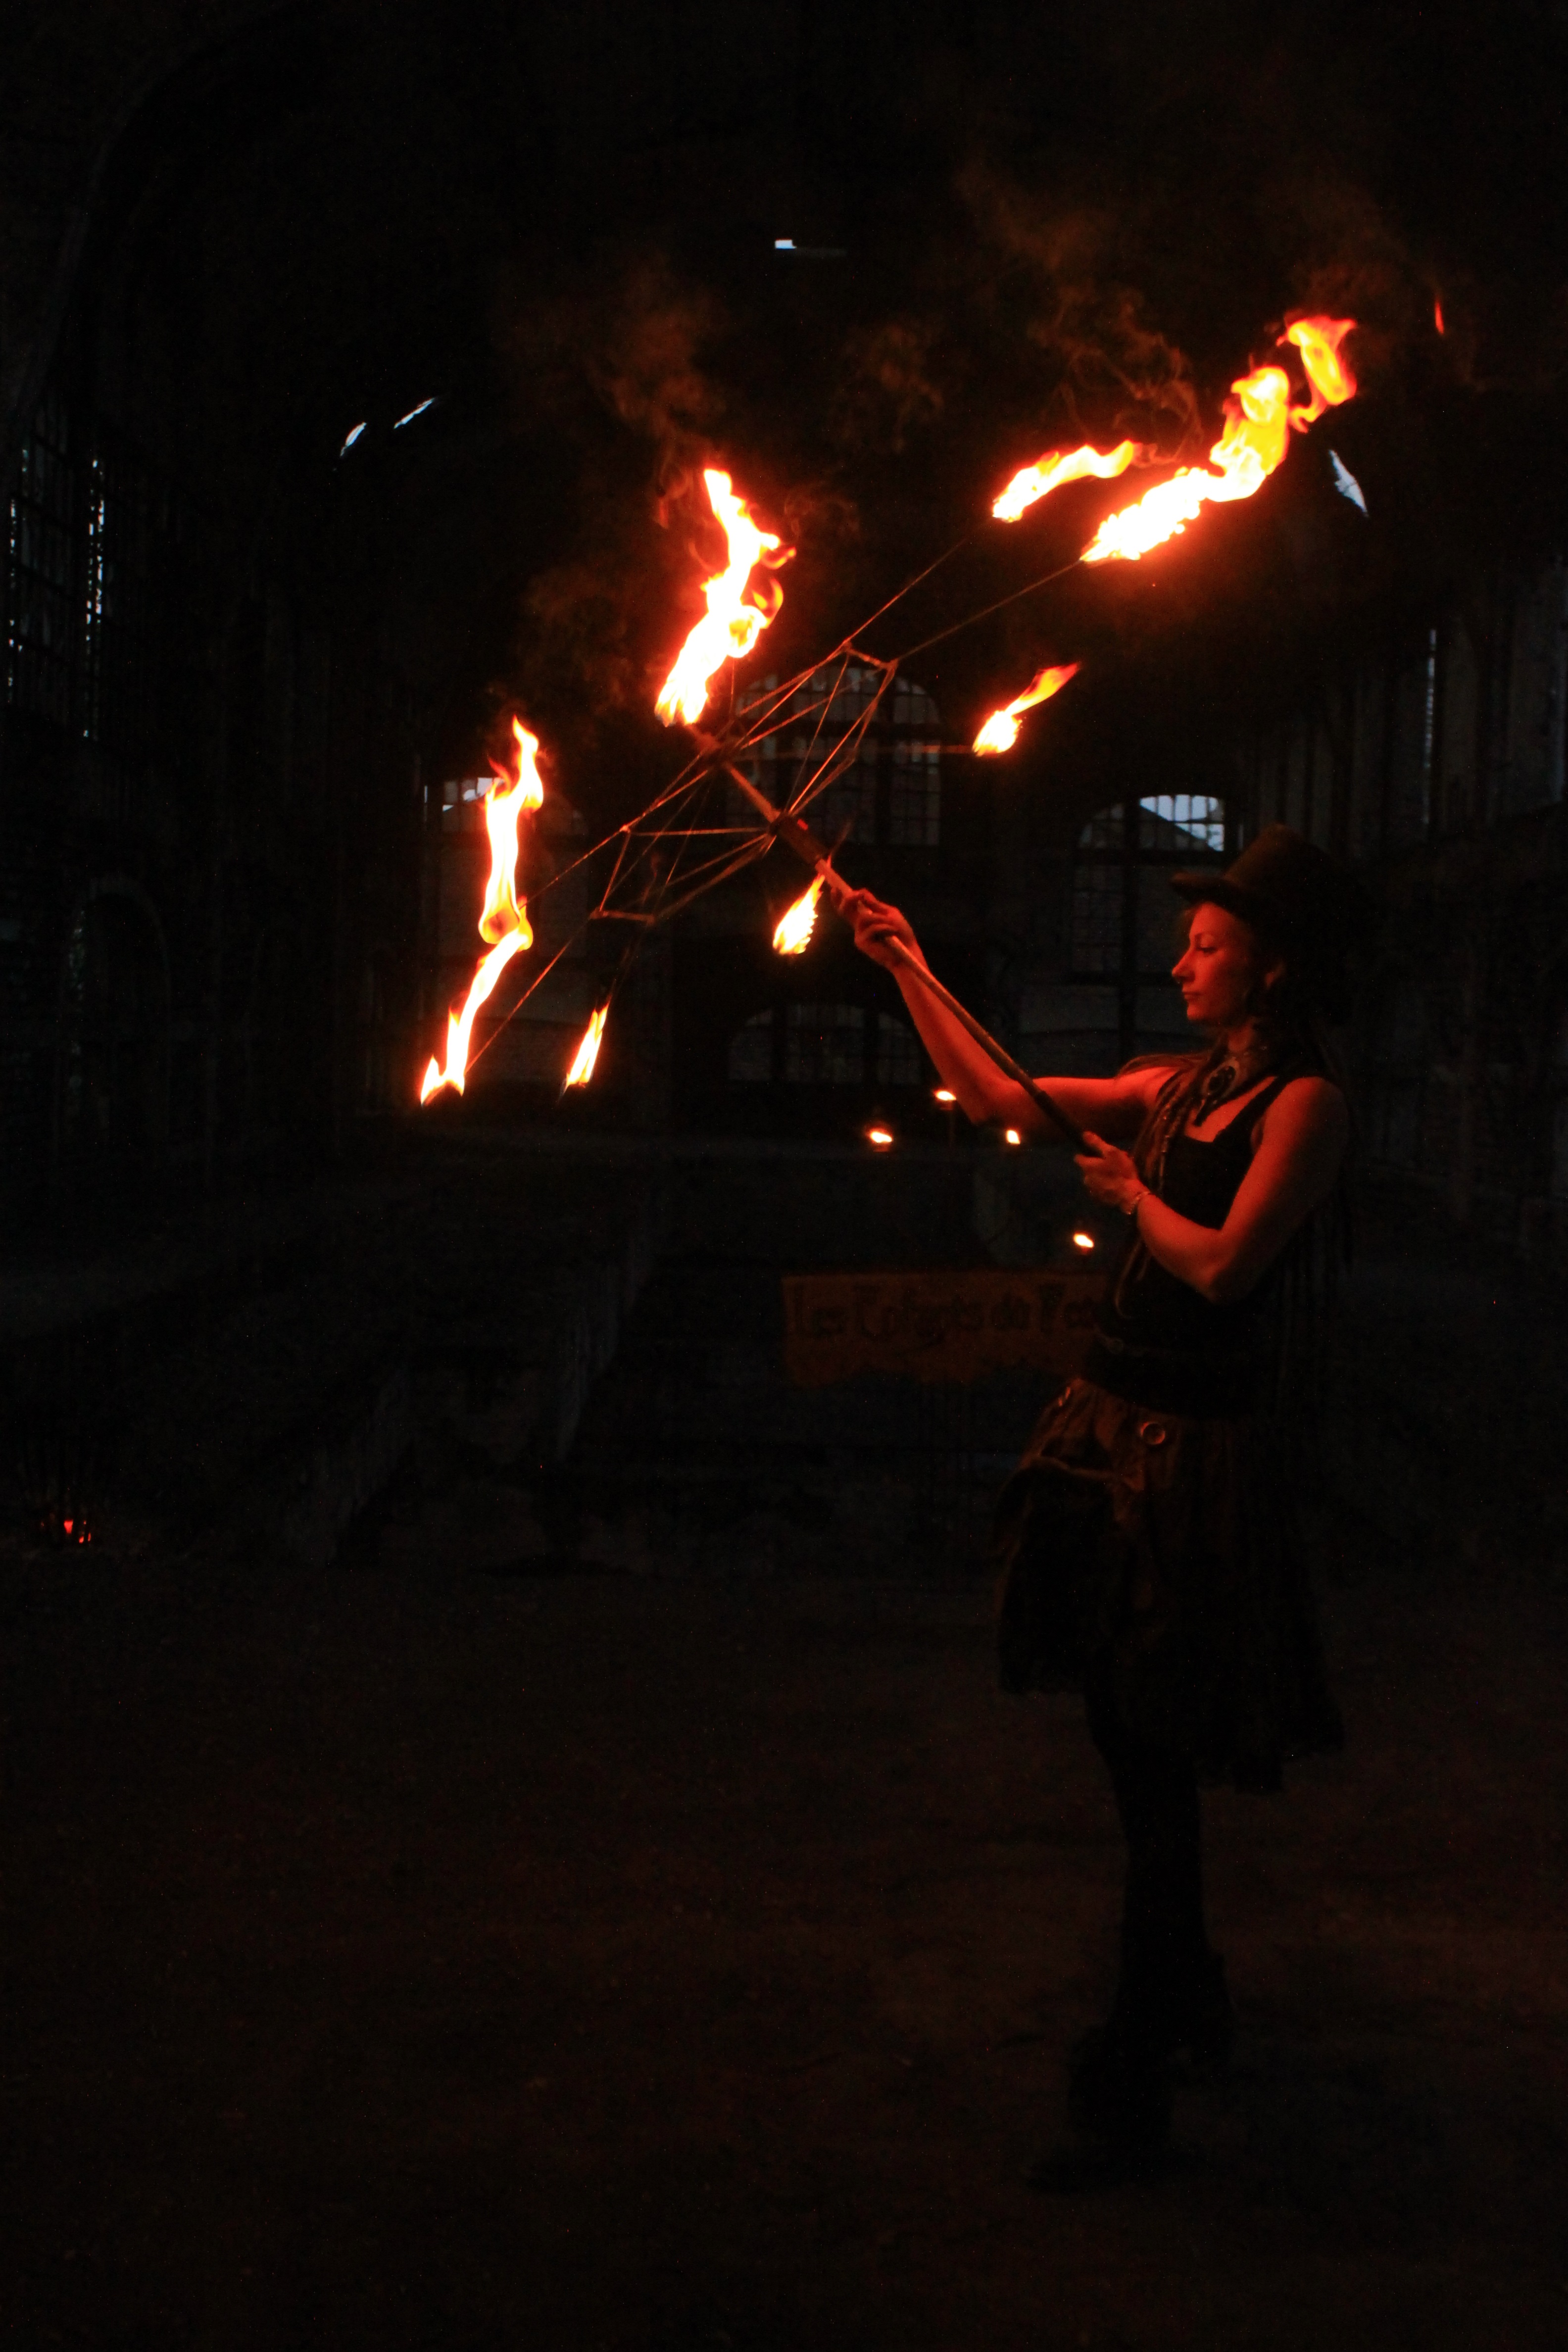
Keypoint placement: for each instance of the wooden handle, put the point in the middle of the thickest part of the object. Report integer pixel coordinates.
(999, 1054)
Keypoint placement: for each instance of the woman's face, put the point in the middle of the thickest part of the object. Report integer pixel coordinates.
(1220, 968)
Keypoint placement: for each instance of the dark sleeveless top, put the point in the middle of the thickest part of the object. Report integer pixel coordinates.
(1156, 1341)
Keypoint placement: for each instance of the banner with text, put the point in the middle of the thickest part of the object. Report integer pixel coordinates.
(936, 1327)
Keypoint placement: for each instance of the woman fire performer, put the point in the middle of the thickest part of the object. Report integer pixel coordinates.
(1144, 1541)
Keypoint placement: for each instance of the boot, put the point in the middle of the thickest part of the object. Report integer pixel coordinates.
(1195, 2014)
(1118, 2087)
(1202, 2020)
(1119, 2100)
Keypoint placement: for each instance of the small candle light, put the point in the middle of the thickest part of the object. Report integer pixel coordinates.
(880, 1136)
(945, 1096)
(1012, 1135)
(1083, 1241)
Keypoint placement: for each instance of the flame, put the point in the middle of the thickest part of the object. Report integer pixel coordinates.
(587, 1052)
(793, 934)
(730, 626)
(504, 919)
(504, 912)
(1319, 341)
(1252, 444)
(1258, 419)
(461, 1025)
(1056, 468)
(1000, 731)
(880, 1136)
(1437, 318)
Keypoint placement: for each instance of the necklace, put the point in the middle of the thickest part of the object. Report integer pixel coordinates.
(1232, 1077)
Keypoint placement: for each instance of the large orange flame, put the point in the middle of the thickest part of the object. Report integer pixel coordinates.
(791, 935)
(503, 920)
(731, 626)
(504, 912)
(587, 1052)
(1058, 466)
(1257, 420)
(461, 1025)
(1327, 370)
(1000, 731)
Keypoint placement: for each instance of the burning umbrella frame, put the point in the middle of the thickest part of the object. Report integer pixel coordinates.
(1260, 414)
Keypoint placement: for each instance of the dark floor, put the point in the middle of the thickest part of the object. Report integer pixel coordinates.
(404, 1957)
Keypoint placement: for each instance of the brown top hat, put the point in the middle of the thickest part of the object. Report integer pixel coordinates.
(1301, 902)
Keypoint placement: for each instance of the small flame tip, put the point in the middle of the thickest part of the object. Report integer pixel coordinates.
(587, 1052)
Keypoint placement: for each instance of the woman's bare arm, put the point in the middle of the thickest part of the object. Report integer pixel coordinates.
(1115, 1106)
(1299, 1155)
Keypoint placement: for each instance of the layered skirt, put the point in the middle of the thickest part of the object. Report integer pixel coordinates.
(1158, 1554)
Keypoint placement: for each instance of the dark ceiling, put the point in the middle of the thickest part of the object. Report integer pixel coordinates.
(1024, 225)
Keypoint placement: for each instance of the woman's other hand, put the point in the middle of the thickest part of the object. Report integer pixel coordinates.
(1109, 1174)
(876, 925)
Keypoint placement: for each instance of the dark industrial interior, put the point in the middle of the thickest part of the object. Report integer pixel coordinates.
(513, 1835)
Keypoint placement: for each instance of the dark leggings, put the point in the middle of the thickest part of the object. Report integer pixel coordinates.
(1164, 1946)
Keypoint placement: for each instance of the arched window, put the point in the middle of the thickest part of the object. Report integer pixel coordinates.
(891, 791)
(827, 1045)
(752, 1056)
(824, 1044)
(888, 796)
(1124, 934)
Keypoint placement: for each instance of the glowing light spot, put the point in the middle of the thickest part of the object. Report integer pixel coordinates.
(1012, 1135)
(784, 245)
(1083, 1241)
(413, 413)
(349, 444)
(944, 1095)
(880, 1136)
